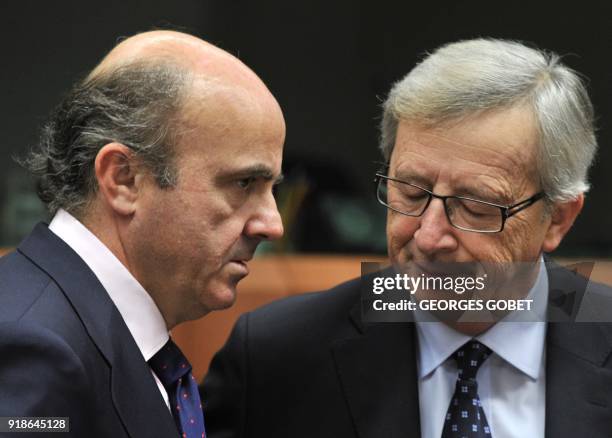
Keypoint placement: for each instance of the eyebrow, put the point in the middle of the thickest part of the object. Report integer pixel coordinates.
(483, 193)
(412, 178)
(258, 170)
(480, 193)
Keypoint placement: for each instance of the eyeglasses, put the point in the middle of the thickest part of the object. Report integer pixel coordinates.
(462, 212)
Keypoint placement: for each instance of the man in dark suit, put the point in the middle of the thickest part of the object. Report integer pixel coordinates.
(488, 144)
(158, 169)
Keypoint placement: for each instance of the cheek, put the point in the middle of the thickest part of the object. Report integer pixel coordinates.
(400, 230)
(518, 242)
(215, 242)
(530, 234)
(493, 248)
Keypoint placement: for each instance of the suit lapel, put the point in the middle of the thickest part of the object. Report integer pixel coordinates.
(135, 392)
(578, 386)
(377, 370)
(578, 383)
(136, 397)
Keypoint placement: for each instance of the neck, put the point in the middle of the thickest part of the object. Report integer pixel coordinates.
(471, 328)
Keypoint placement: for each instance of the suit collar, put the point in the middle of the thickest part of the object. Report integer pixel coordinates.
(377, 370)
(571, 302)
(578, 382)
(567, 287)
(130, 375)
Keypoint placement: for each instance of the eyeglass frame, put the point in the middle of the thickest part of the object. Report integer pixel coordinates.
(507, 211)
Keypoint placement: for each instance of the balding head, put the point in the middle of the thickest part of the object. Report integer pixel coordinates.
(182, 49)
(201, 59)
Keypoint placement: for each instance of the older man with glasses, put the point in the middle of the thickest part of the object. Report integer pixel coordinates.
(488, 145)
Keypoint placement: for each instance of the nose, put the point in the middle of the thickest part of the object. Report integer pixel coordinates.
(266, 223)
(435, 233)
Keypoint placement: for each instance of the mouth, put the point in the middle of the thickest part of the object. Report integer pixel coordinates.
(429, 269)
(240, 265)
(445, 269)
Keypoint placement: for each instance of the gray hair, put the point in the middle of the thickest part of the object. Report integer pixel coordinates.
(136, 104)
(468, 77)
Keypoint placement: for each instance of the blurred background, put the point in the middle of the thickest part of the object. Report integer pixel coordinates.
(328, 63)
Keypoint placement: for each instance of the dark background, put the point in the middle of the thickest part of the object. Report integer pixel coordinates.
(328, 63)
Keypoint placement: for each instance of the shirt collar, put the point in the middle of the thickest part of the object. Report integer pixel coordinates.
(437, 341)
(141, 315)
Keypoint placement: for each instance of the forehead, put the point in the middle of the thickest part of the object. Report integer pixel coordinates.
(221, 123)
(493, 150)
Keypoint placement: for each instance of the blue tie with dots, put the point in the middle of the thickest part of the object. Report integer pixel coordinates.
(174, 371)
(465, 416)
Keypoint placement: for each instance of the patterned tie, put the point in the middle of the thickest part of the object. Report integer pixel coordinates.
(174, 371)
(465, 417)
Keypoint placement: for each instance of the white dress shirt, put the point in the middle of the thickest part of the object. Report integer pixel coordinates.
(511, 382)
(141, 315)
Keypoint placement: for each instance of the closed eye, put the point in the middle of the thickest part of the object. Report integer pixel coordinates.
(245, 183)
(416, 196)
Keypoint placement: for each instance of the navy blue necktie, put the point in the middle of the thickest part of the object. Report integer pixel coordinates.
(465, 416)
(174, 371)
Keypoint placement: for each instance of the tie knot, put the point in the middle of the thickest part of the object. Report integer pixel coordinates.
(469, 359)
(169, 364)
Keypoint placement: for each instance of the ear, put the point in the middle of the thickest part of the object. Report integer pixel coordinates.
(118, 175)
(562, 219)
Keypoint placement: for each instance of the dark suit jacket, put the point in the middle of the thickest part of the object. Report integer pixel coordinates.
(307, 366)
(65, 350)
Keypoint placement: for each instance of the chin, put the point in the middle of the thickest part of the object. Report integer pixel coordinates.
(219, 298)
